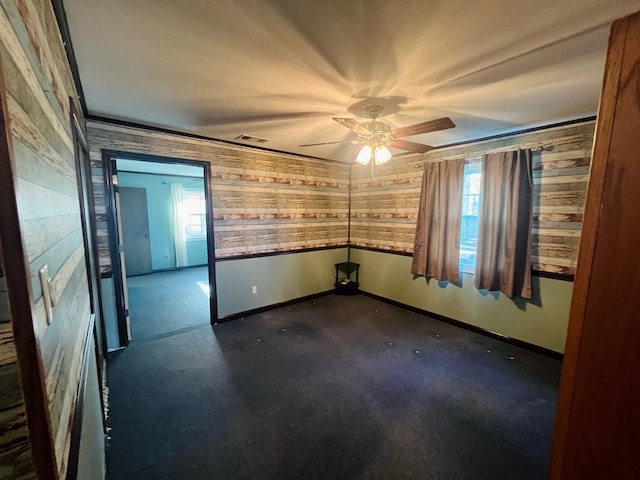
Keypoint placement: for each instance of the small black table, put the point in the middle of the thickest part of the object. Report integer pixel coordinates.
(345, 285)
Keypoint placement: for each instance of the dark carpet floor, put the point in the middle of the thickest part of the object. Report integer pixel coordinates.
(166, 302)
(336, 388)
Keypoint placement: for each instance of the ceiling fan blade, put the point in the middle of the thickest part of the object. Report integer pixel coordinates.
(353, 125)
(424, 127)
(411, 146)
(324, 143)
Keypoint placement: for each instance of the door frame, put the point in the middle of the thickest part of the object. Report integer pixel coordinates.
(89, 238)
(109, 160)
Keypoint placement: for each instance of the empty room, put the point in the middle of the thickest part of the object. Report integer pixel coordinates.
(294, 239)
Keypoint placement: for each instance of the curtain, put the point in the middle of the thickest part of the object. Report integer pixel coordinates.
(178, 225)
(504, 235)
(436, 251)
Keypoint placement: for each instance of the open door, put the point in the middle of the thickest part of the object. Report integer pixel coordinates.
(135, 230)
(597, 432)
(134, 219)
(118, 265)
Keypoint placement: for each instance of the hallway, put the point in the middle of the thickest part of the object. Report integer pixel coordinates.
(162, 303)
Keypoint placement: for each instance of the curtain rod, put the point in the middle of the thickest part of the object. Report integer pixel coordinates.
(478, 158)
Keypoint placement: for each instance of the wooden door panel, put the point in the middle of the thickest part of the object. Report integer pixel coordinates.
(597, 432)
(135, 230)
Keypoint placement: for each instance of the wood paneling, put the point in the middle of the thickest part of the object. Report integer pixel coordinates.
(597, 432)
(38, 87)
(24, 439)
(384, 207)
(15, 449)
(263, 202)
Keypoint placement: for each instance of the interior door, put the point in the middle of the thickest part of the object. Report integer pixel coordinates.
(122, 295)
(135, 230)
(597, 432)
(92, 262)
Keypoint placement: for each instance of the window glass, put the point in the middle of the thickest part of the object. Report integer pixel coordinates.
(470, 213)
(194, 213)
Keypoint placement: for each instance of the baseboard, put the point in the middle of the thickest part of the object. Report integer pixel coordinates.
(254, 311)
(76, 427)
(497, 336)
(170, 269)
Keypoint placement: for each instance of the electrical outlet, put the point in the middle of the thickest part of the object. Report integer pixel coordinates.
(254, 289)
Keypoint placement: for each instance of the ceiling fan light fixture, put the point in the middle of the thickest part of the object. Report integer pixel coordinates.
(364, 156)
(382, 155)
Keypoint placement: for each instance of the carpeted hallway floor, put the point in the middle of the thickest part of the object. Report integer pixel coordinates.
(164, 302)
(336, 388)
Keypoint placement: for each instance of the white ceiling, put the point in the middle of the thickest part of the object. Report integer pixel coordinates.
(282, 69)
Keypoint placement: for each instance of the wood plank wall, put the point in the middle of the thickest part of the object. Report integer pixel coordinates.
(15, 449)
(263, 202)
(384, 208)
(38, 86)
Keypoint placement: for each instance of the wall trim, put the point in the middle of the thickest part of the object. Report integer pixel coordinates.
(169, 131)
(254, 311)
(566, 123)
(78, 413)
(566, 277)
(457, 323)
(283, 252)
(63, 27)
(109, 274)
(382, 250)
(194, 136)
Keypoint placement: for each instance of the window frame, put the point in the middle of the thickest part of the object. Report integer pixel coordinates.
(190, 214)
(472, 166)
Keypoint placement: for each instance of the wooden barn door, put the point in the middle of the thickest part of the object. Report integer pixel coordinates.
(597, 434)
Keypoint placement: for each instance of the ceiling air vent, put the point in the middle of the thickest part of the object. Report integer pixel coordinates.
(251, 138)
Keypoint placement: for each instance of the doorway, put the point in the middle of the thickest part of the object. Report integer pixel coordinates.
(162, 244)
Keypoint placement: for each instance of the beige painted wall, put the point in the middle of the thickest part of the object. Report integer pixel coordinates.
(278, 278)
(543, 321)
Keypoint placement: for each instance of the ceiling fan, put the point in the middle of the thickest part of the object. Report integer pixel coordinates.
(377, 136)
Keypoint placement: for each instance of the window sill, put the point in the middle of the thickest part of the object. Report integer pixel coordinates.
(467, 269)
(196, 238)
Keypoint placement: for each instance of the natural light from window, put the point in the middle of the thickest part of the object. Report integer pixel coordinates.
(193, 214)
(204, 286)
(470, 213)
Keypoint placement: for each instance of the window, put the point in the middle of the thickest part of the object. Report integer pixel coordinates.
(194, 214)
(470, 213)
